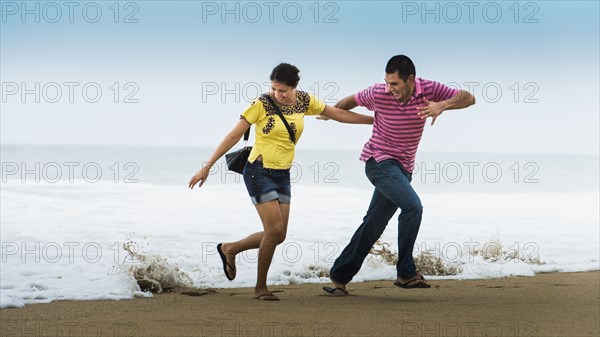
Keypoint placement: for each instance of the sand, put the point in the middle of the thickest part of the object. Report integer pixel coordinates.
(557, 304)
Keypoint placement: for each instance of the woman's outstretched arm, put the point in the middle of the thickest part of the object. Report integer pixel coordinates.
(228, 142)
(345, 116)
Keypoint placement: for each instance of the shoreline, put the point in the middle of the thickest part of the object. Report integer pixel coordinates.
(548, 304)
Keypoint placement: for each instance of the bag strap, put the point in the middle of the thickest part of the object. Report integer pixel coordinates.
(247, 134)
(287, 126)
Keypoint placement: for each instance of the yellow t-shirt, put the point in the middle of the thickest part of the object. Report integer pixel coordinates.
(272, 140)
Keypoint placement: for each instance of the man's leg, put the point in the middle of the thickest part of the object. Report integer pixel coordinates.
(409, 222)
(394, 183)
(350, 260)
(380, 211)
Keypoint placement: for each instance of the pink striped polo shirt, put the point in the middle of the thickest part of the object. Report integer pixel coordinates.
(398, 128)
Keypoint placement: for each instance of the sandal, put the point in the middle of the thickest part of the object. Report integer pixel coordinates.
(267, 297)
(225, 264)
(336, 291)
(417, 281)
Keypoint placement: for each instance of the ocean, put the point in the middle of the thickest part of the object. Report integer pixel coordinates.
(89, 222)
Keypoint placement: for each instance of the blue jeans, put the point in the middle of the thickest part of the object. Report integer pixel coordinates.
(392, 191)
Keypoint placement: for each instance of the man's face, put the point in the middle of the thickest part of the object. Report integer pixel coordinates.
(401, 90)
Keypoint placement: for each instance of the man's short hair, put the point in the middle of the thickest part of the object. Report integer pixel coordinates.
(402, 65)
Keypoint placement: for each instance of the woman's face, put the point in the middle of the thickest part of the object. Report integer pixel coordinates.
(283, 94)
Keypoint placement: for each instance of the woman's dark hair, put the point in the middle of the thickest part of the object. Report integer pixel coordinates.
(402, 65)
(287, 74)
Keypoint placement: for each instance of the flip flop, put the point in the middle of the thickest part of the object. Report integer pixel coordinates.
(267, 297)
(225, 264)
(416, 282)
(336, 291)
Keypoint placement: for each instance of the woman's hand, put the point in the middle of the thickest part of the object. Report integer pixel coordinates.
(228, 142)
(200, 176)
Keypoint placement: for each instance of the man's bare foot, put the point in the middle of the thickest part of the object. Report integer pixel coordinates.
(338, 285)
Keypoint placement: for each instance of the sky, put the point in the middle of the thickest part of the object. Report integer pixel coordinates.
(179, 73)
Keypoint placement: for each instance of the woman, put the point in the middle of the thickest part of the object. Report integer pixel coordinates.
(267, 172)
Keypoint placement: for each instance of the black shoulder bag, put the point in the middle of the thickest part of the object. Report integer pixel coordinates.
(237, 160)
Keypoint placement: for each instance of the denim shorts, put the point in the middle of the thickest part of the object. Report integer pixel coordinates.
(264, 184)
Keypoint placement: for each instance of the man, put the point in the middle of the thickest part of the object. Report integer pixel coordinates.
(401, 107)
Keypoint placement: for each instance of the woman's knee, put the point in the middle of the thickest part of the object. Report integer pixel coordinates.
(282, 236)
(275, 235)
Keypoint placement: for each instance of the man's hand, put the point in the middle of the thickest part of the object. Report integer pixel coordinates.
(461, 100)
(432, 109)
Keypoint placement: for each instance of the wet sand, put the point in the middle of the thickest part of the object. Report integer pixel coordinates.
(557, 304)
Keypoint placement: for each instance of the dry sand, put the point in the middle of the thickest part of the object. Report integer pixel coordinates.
(562, 304)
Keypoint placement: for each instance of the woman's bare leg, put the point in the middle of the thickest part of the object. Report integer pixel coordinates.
(274, 217)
